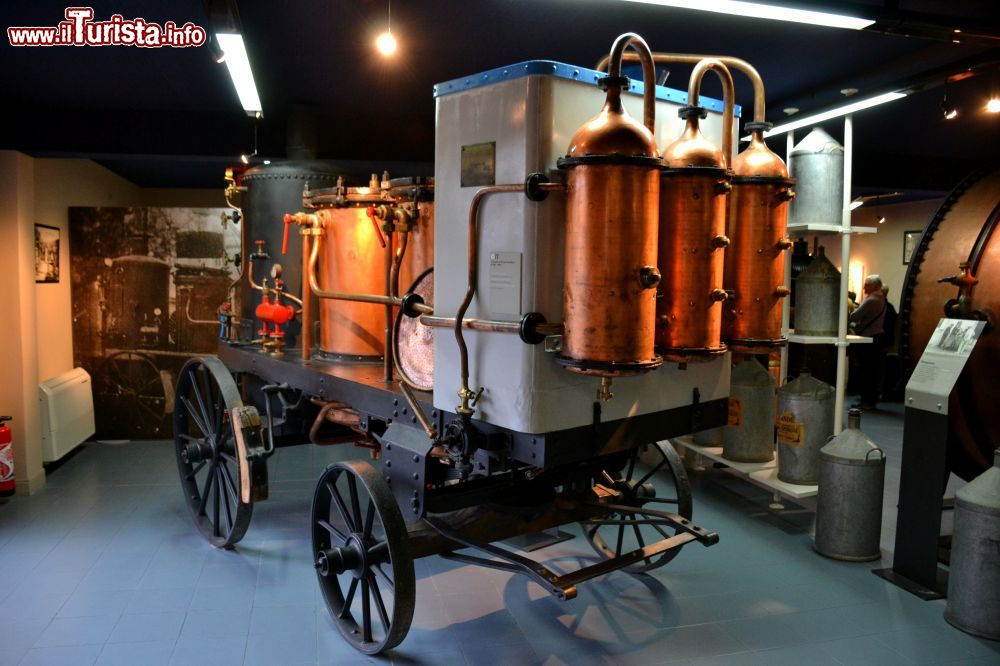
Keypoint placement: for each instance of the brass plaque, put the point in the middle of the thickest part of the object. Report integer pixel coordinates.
(479, 164)
(790, 431)
(735, 412)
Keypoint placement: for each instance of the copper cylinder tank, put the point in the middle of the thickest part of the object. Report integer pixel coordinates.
(609, 296)
(755, 259)
(351, 260)
(692, 237)
(964, 229)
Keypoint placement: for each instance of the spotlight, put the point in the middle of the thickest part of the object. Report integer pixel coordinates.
(245, 158)
(948, 110)
(993, 106)
(881, 219)
(386, 43)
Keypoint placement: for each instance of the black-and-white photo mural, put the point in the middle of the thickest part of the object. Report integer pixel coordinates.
(146, 286)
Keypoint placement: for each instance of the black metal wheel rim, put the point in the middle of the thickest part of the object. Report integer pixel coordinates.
(362, 557)
(211, 474)
(129, 386)
(610, 540)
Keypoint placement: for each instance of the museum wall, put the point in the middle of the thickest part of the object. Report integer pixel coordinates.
(37, 344)
(882, 252)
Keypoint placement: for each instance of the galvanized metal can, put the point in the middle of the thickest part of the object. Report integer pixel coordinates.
(818, 167)
(974, 580)
(805, 424)
(817, 300)
(749, 433)
(711, 437)
(849, 505)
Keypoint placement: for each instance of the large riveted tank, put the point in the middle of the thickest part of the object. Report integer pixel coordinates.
(693, 198)
(817, 304)
(818, 169)
(962, 230)
(612, 204)
(805, 424)
(749, 433)
(272, 191)
(974, 580)
(755, 260)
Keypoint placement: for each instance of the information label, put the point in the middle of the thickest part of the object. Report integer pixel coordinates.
(790, 431)
(941, 363)
(735, 412)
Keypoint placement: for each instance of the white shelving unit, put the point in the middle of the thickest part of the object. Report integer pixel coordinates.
(763, 474)
(844, 230)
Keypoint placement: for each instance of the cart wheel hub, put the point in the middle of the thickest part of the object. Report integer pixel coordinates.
(195, 452)
(340, 559)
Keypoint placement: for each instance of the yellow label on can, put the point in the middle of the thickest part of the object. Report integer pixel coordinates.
(735, 412)
(790, 431)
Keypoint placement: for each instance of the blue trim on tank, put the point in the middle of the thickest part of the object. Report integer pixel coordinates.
(562, 71)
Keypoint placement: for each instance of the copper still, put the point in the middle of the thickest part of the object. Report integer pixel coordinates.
(755, 260)
(609, 295)
(351, 260)
(693, 196)
(963, 231)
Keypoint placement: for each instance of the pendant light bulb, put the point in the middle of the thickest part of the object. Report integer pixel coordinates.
(386, 43)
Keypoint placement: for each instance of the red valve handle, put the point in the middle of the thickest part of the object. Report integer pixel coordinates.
(284, 242)
(378, 229)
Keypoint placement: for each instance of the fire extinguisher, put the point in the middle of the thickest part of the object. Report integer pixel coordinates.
(6, 459)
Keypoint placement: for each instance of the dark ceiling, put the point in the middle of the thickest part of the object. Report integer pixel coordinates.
(170, 117)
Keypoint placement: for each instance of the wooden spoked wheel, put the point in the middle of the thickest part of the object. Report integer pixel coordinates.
(626, 531)
(132, 392)
(362, 557)
(213, 470)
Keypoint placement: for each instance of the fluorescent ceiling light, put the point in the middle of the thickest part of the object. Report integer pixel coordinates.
(816, 118)
(239, 70)
(857, 203)
(773, 12)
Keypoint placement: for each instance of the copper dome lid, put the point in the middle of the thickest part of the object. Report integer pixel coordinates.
(613, 131)
(759, 161)
(693, 149)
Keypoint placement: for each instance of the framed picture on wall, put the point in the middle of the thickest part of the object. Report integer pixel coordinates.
(46, 253)
(910, 240)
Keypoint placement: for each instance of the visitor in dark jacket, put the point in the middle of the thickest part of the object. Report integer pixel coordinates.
(869, 321)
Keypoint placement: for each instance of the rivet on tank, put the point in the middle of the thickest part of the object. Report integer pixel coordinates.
(692, 237)
(613, 187)
(755, 259)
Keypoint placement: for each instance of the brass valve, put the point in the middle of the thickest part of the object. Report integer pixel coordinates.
(782, 292)
(720, 242)
(784, 244)
(786, 195)
(718, 295)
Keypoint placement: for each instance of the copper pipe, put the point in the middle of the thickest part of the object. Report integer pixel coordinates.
(390, 298)
(494, 325)
(192, 320)
(648, 73)
(464, 393)
(342, 295)
(411, 400)
(690, 59)
(306, 303)
(335, 412)
(728, 97)
(230, 189)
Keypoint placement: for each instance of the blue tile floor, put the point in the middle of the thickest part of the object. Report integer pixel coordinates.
(105, 567)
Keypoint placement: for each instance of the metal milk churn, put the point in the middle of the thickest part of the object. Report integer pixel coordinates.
(849, 506)
(974, 582)
(750, 429)
(817, 297)
(818, 166)
(711, 437)
(805, 424)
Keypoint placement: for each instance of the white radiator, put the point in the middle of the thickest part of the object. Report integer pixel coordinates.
(67, 413)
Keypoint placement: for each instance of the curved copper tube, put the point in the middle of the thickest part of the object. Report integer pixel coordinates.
(230, 189)
(464, 393)
(648, 73)
(728, 90)
(691, 58)
(192, 320)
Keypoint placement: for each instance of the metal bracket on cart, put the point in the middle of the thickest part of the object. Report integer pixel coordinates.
(563, 586)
